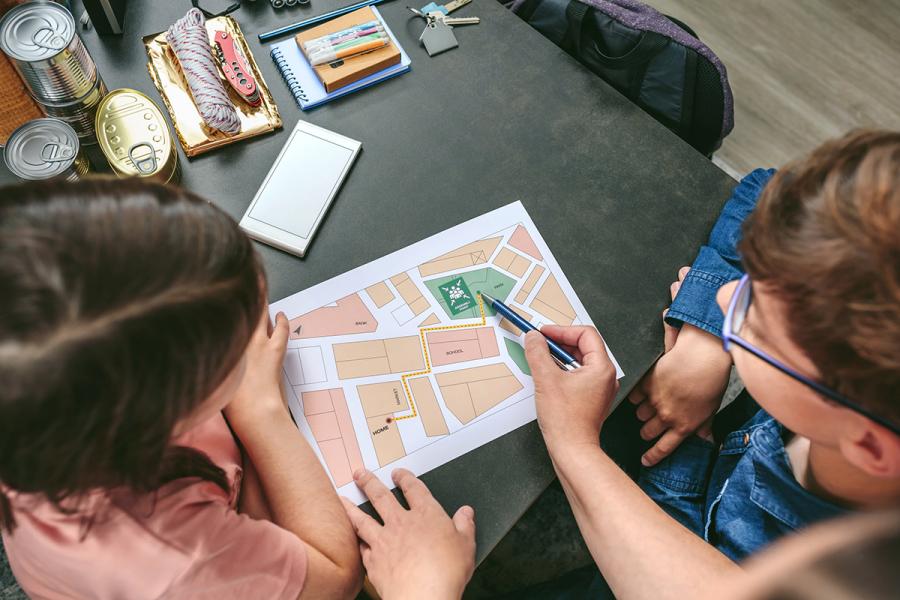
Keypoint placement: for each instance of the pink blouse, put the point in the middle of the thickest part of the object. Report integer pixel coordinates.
(186, 540)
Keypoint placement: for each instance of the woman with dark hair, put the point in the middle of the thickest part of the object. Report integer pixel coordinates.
(132, 315)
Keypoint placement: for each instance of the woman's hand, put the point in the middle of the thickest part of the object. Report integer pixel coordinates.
(417, 553)
(259, 393)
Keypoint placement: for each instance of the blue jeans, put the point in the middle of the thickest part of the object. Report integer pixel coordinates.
(738, 493)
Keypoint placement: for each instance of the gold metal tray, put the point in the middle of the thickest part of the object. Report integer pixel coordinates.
(195, 136)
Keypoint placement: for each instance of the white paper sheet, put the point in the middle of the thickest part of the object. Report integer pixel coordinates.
(398, 364)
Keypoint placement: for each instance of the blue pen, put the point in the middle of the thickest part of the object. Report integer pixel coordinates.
(562, 358)
(350, 30)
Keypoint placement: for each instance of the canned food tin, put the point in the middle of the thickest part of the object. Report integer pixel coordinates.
(44, 149)
(40, 38)
(135, 138)
(80, 114)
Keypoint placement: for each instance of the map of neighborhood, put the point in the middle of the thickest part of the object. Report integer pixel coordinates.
(388, 367)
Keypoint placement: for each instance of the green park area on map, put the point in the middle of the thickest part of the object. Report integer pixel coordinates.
(517, 354)
(449, 291)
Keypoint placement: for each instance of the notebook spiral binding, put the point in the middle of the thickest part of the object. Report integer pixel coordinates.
(288, 75)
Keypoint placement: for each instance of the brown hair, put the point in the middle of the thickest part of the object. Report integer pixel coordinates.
(863, 569)
(124, 305)
(826, 237)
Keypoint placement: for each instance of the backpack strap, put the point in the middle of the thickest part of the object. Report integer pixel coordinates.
(649, 44)
(526, 9)
(575, 14)
(690, 89)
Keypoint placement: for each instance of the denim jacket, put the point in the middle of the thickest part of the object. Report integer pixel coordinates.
(743, 495)
(739, 497)
(718, 261)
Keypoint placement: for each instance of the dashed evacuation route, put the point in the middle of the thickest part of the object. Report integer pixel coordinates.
(427, 370)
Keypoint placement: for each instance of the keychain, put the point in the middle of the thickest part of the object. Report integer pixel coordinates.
(438, 34)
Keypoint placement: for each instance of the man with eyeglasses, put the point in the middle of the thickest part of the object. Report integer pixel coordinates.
(810, 295)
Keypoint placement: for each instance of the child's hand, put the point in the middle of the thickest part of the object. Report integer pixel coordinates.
(571, 405)
(417, 553)
(259, 392)
(683, 390)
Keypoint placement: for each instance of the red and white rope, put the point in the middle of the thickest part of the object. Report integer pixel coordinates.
(188, 38)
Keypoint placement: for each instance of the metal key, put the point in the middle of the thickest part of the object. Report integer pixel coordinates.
(453, 21)
(461, 20)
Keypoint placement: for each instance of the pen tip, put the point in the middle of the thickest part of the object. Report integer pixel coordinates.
(487, 298)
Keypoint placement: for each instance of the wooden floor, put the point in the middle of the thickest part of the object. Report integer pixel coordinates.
(802, 71)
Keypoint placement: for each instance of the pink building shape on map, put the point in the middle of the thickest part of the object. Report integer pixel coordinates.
(329, 419)
(347, 316)
(450, 347)
(520, 240)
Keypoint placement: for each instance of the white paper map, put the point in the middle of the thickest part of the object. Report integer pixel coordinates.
(399, 364)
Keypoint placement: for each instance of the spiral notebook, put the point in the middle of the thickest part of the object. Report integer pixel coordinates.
(306, 87)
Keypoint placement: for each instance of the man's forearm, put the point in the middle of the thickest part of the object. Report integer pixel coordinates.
(641, 551)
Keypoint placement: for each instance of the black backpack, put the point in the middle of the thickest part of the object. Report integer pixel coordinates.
(656, 61)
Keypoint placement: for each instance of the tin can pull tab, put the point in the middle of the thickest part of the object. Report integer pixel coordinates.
(48, 38)
(146, 164)
(55, 152)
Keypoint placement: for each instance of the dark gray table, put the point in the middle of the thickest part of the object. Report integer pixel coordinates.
(620, 200)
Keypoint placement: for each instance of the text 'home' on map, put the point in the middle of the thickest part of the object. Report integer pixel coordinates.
(379, 402)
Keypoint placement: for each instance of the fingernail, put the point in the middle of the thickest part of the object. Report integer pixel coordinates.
(645, 461)
(469, 511)
(359, 474)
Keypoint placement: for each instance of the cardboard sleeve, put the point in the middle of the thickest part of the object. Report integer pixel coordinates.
(346, 71)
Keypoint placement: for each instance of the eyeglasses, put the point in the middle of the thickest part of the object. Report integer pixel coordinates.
(734, 320)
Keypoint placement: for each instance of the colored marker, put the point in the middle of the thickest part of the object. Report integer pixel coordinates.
(335, 41)
(340, 40)
(350, 31)
(348, 43)
(320, 52)
(270, 35)
(562, 358)
(365, 25)
(321, 58)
